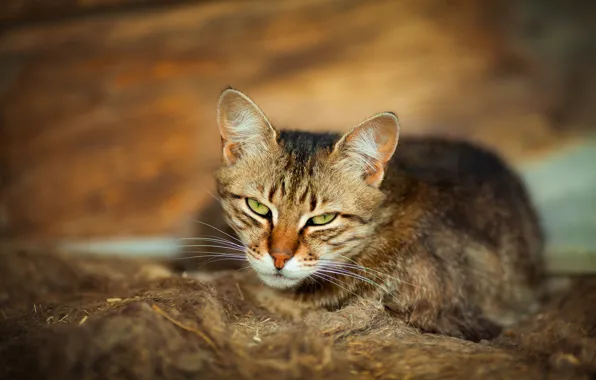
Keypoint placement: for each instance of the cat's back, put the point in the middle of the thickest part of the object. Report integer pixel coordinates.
(437, 160)
(462, 184)
(467, 181)
(470, 201)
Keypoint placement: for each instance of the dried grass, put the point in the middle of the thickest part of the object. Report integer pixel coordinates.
(87, 318)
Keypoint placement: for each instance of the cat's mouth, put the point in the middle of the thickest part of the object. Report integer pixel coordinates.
(279, 280)
(278, 275)
(273, 276)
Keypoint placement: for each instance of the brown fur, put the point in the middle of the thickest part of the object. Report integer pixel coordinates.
(443, 232)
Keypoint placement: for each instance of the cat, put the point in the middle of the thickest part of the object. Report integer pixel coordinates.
(442, 231)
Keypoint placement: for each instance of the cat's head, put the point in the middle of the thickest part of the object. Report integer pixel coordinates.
(300, 201)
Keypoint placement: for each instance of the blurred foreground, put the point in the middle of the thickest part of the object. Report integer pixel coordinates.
(72, 317)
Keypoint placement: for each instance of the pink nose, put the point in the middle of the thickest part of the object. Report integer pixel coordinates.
(280, 259)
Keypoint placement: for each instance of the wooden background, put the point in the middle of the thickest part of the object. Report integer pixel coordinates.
(107, 110)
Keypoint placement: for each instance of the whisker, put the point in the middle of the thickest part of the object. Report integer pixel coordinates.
(243, 268)
(211, 246)
(230, 247)
(215, 259)
(337, 269)
(366, 269)
(218, 252)
(215, 240)
(331, 280)
(213, 196)
(347, 273)
(220, 245)
(208, 236)
(212, 259)
(362, 269)
(217, 229)
(208, 254)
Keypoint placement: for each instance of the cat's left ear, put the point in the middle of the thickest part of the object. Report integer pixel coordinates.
(244, 128)
(368, 147)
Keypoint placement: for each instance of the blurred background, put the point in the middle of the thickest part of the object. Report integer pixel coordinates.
(107, 107)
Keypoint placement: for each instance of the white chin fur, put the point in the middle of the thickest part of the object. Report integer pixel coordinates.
(279, 282)
(292, 274)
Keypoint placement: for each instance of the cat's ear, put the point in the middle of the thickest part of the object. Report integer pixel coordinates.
(244, 128)
(368, 147)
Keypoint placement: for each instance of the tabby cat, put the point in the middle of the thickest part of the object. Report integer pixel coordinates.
(442, 231)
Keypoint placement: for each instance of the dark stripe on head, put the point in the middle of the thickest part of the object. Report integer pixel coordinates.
(313, 201)
(303, 196)
(272, 191)
(283, 188)
(289, 164)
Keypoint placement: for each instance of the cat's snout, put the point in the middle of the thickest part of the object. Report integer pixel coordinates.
(280, 258)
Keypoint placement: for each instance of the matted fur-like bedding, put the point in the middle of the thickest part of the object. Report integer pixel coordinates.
(66, 317)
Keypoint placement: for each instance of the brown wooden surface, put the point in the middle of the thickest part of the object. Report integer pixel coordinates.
(19, 11)
(108, 123)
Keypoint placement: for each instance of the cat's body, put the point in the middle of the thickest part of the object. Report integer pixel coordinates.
(458, 235)
(442, 232)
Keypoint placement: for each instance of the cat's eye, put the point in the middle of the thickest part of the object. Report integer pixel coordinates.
(257, 207)
(322, 219)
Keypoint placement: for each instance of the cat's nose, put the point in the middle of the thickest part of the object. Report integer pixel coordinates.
(280, 258)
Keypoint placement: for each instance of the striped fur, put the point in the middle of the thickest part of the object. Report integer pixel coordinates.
(445, 229)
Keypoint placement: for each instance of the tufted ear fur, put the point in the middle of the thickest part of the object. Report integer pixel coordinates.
(368, 147)
(244, 128)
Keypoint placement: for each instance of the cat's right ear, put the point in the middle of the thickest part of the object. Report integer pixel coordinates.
(244, 128)
(367, 149)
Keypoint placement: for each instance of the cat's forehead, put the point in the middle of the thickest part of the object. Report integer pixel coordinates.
(306, 185)
(298, 177)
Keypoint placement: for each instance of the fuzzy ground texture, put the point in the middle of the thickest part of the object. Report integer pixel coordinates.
(71, 317)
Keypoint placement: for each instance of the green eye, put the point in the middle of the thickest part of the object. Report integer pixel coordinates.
(322, 219)
(257, 207)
